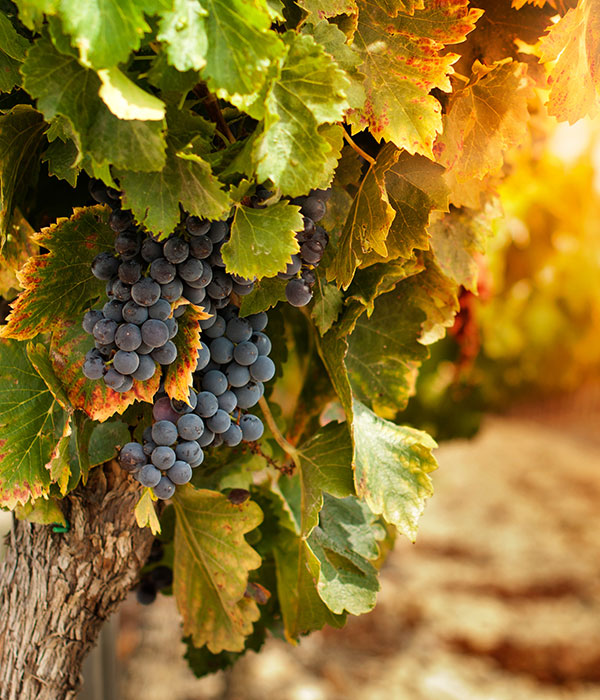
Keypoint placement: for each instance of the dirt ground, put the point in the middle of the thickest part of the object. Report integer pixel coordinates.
(499, 599)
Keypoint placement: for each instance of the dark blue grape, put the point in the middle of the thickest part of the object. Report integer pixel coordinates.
(201, 247)
(252, 427)
(238, 330)
(217, 329)
(233, 435)
(146, 292)
(215, 382)
(104, 331)
(149, 475)
(258, 321)
(164, 432)
(129, 272)
(132, 457)
(90, 319)
(219, 423)
(297, 292)
(263, 369)
(180, 473)
(126, 362)
(134, 313)
(128, 337)
(245, 353)
(151, 250)
(164, 489)
(172, 291)
(145, 370)
(160, 310)
(237, 375)
(248, 395)
(163, 457)
(104, 266)
(166, 354)
(262, 342)
(221, 350)
(218, 231)
(155, 333)
(227, 401)
(203, 357)
(196, 226)
(162, 271)
(176, 250)
(188, 451)
(206, 404)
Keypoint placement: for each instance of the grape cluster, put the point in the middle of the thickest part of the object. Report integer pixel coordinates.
(313, 240)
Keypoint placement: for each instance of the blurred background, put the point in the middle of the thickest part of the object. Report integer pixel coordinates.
(499, 599)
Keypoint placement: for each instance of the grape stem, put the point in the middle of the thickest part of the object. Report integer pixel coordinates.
(211, 104)
(350, 141)
(279, 439)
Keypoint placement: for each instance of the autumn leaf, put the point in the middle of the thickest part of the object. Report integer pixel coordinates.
(179, 374)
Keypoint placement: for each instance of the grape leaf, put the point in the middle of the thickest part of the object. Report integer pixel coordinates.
(327, 304)
(63, 160)
(145, 513)
(106, 32)
(44, 511)
(186, 178)
(485, 119)
(319, 9)
(93, 444)
(344, 543)
(184, 30)
(32, 424)
(64, 87)
(368, 220)
(392, 466)
(267, 293)
(99, 402)
(169, 79)
(211, 566)
(308, 92)
(19, 246)
(126, 100)
(298, 571)
(59, 285)
(403, 62)
(12, 52)
(574, 43)
(325, 465)
(262, 240)
(179, 374)
(21, 137)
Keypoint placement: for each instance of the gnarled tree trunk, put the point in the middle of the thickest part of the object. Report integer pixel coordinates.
(56, 590)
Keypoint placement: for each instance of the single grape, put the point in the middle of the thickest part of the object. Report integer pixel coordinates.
(134, 313)
(227, 401)
(308, 275)
(196, 226)
(144, 349)
(90, 319)
(151, 250)
(149, 447)
(147, 434)
(221, 350)
(297, 292)
(262, 342)
(104, 331)
(206, 438)
(126, 362)
(201, 247)
(245, 353)
(258, 321)
(180, 473)
(188, 451)
(200, 458)
(113, 310)
(314, 208)
(248, 395)
(104, 266)
(190, 427)
(217, 329)
(164, 432)
(126, 385)
(237, 375)
(127, 244)
(105, 350)
(216, 259)
(121, 291)
(206, 404)
(166, 354)
(219, 423)
(323, 195)
(205, 277)
(114, 379)
(243, 290)
(155, 333)
(220, 287)
(263, 369)
(190, 270)
(164, 489)
(97, 189)
(203, 357)
(217, 440)
(215, 382)
(162, 271)
(145, 369)
(238, 330)
(252, 427)
(128, 337)
(149, 475)
(163, 457)
(145, 593)
(172, 327)
(218, 231)
(129, 271)
(162, 410)
(160, 310)
(311, 252)
(146, 292)
(93, 367)
(195, 296)
(233, 435)
(119, 220)
(176, 250)
(172, 291)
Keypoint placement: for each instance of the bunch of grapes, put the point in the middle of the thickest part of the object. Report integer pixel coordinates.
(313, 240)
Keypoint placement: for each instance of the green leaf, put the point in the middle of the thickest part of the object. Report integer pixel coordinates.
(59, 284)
(105, 32)
(11, 42)
(169, 79)
(392, 466)
(63, 87)
(325, 465)
(126, 100)
(403, 59)
(183, 29)
(44, 511)
(327, 304)
(241, 46)
(105, 440)
(211, 566)
(345, 543)
(154, 198)
(67, 350)
(179, 375)
(145, 513)
(63, 160)
(10, 76)
(32, 424)
(21, 138)
(309, 91)
(267, 293)
(262, 240)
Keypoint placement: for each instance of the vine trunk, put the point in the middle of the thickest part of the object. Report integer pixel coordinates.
(56, 590)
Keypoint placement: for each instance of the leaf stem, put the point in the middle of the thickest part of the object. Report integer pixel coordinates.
(279, 439)
(350, 141)
(213, 108)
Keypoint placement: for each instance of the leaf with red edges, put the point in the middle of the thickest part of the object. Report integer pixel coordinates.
(59, 285)
(178, 377)
(67, 353)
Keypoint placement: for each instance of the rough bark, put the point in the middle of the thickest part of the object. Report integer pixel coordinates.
(56, 590)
